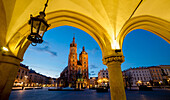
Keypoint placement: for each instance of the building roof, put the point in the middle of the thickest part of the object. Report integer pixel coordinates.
(79, 63)
(22, 65)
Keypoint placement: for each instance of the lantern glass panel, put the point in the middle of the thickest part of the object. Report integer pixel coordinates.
(35, 25)
(42, 30)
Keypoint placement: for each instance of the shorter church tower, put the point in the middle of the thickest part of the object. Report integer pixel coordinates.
(83, 57)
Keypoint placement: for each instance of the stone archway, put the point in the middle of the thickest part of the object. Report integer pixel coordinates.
(19, 43)
(150, 23)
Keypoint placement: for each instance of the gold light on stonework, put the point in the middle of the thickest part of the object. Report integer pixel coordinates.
(38, 27)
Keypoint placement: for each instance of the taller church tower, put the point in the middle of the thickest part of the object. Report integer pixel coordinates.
(72, 63)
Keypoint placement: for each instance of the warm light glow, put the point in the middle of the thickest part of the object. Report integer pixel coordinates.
(139, 81)
(99, 81)
(115, 45)
(5, 49)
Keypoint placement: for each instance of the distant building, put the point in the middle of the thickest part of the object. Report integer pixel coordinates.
(22, 76)
(103, 74)
(76, 73)
(137, 76)
(93, 82)
(156, 74)
(103, 78)
(166, 69)
(36, 79)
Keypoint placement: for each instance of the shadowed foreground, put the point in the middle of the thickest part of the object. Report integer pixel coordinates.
(44, 94)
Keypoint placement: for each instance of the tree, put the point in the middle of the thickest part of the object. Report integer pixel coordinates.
(128, 79)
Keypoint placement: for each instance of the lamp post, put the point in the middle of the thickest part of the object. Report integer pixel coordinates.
(38, 27)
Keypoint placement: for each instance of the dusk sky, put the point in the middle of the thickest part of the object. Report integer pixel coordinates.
(140, 48)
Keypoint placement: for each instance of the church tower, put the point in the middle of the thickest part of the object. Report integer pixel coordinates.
(72, 63)
(83, 57)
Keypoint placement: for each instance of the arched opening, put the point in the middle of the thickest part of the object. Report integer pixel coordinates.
(60, 18)
(53, 59)
(146, 55)
(145, 49)
(150, 23)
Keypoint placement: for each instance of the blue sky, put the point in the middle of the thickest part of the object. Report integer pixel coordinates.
(140, 48)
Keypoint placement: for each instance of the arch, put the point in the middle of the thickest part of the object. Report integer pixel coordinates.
(153, 24)
(19, 43)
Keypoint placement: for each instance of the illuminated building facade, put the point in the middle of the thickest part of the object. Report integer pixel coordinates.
(103, 78)
(76, 73)
(156, 74)
(22, 76)
(137, 76)
(93, 82)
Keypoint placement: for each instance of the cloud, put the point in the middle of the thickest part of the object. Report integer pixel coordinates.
(92, 72)
(94, 50)
(93, 67)
(45, 48)
(56, 75)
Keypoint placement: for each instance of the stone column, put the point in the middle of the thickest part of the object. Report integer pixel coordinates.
(9, 65)
(76, 85)
(113, 63)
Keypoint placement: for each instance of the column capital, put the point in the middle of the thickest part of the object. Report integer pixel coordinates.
(116, 56)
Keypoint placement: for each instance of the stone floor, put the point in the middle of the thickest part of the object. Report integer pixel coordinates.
(44, 94)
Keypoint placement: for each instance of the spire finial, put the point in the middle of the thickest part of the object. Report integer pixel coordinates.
(73, 37)
(83, 48)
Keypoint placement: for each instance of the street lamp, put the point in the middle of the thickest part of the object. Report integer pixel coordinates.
(38, 27)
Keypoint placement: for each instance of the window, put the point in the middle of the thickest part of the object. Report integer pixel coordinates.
(73, 57)
(103, 73)
(84, 57)
(19, 70)
(84, 65)
(84, 62)
(17, 76)
(73, 60)
(22, 71)
(84, 69)
(73, 64)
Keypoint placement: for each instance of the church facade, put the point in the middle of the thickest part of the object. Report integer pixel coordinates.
(76, 73)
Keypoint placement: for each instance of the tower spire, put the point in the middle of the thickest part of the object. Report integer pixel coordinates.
(73, 37)
(83, 48)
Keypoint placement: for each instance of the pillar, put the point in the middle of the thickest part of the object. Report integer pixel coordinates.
(113, 63)
(9, 65)
(80, 86)
(77, 86)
